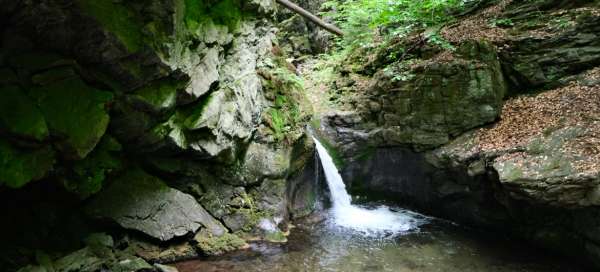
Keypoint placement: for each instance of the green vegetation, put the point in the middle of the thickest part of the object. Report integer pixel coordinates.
(118, 19)
(286, 113)
(216, 245)
(362, 20)
(224, 12)
(333, 152)
(90, 173)
(20, 116)
(75, 111)
(19, 166)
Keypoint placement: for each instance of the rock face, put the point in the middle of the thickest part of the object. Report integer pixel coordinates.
(139, 201)
(299, 36)
(527, 165)
(164, 115)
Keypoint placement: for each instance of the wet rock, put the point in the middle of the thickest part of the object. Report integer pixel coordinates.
(142, 202)
(217, 245)
(165, 268)
(165, 254)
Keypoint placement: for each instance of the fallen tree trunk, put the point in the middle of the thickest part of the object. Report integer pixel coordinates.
(297, 9)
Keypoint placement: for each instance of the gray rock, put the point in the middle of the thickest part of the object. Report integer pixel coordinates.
(142, 202)
(165, 268)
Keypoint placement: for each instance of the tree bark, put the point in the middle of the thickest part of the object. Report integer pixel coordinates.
(297, 9)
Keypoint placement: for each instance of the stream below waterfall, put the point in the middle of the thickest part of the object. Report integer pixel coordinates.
(374, 237)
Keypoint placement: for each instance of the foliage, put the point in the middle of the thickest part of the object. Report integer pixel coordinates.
(286, 113)
(361, 18)
(224, 12)
(118, 19)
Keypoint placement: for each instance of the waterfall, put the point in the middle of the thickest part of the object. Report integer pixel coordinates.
(374, 221)
(339, 196)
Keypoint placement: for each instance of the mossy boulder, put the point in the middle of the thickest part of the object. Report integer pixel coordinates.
(19, 166)
(76, 113)
(20, 116)
(88, 175)
(216, 245)
(139, 201)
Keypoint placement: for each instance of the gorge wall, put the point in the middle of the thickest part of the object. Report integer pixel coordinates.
(496, 129)
(175, 126)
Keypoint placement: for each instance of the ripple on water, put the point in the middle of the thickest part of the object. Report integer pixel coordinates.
(427, 245)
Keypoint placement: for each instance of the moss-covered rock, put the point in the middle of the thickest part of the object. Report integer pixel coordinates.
(19, 166)
(117, 19)
(216, 245)
(20, 116)
(88, 175)
(74, 112)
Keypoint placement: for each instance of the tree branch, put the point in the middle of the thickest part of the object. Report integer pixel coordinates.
(297, 9)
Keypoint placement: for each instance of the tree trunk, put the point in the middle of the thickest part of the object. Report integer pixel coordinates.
(297, 9)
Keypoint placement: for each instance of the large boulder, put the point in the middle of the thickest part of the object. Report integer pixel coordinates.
(142, 202)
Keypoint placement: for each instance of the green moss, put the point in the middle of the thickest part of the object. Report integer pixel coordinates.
(333, 152)
(224, 12)
(53, 75)
(18, 166)
(512, 172)
(161, 95)
(217, 245)
(89, 174)
(20, 116)
(192, 115)
(75, 112)
(276, 237)
(118, 19)
(366, 153)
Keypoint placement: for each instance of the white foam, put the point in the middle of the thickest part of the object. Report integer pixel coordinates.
(380, 220)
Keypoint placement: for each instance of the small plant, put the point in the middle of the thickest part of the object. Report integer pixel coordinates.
(503, 22)
(561, 23)
(438, 40)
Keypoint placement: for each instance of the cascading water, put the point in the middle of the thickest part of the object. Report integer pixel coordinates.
(377, 221)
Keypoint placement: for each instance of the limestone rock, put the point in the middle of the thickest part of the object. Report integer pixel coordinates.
(142, 202)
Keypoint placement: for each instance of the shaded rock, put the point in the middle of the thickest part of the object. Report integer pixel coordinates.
(84, 260)
(142, 202)
(131, 264)
(20, 116)
(166, 254)
(32, 268)
(259, 162)
(533, 62)
(87, 176)
(20, 166)
(74, 112)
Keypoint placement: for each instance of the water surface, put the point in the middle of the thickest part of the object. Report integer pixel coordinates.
(435, 245)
